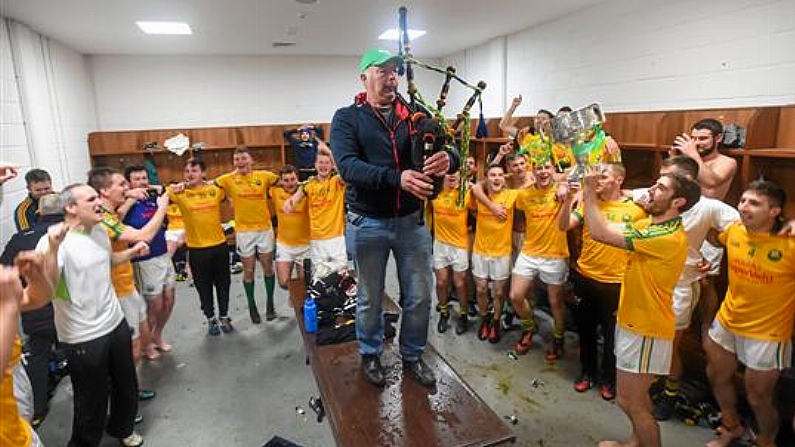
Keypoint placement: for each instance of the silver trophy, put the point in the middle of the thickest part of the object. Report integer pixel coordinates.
(575, 128)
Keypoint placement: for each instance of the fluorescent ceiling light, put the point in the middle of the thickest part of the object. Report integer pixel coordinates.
(164, 27)
(392, 34)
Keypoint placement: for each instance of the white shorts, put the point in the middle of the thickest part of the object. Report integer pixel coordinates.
(154, 275)
(761, 355)
(446, 255)
(642, 355)
(23, 391)
(713, 255)
(134, 308)
(285, 253)
(552, 271)
(487, 267)
(330, 253)
(251, 242)
(175, 235)
(685, 299)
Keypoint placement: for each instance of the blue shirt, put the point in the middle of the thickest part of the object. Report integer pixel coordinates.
(138, 216)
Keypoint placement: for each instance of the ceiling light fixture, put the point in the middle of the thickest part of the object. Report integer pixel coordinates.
(392, 34)
(164, 27)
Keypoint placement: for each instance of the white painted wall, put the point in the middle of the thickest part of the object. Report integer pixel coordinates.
(635, 55)
(150, 92)
(47, 112)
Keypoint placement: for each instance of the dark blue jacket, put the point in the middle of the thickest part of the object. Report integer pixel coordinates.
(370, 156)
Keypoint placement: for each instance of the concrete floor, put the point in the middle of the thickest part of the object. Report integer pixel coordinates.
(241, 389)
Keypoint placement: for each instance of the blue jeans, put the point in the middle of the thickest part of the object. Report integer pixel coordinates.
(371, 241)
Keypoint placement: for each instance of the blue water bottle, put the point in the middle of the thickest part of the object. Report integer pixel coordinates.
(310, 308)
(310, 315)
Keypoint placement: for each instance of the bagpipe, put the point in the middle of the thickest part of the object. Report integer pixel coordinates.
(433, 132)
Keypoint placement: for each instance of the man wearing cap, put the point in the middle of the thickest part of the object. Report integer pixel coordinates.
(371, 142)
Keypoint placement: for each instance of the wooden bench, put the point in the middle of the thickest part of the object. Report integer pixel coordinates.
(403, 413)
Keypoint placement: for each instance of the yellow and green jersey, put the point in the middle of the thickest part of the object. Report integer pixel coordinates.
(249, 195)
(326, 205)
(492, 234)
(602, 262)
(760, 300)
(450, 220)
(657, 254)
(542, 237)
(201, 211)
(293, 227)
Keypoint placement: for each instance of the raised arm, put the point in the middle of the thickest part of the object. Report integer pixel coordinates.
(140, 248)
(132, 235)
(567, 220)
(710, 176)
(507, 121)
(481, 196)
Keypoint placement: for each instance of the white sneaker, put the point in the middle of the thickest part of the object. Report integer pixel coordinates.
(134, 440)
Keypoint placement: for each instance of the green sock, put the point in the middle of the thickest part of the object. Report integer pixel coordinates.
(270, 281)
(671, 387)
(528, 324)
(558, 332)
(249, 288)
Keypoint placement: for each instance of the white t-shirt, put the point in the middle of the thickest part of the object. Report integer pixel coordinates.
(706, 214)
(85, 303)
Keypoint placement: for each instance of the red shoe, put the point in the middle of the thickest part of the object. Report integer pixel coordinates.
(494, 331)
(525, 342)
(607, 391)
(583, 384)
(554, 349)
(485, 324)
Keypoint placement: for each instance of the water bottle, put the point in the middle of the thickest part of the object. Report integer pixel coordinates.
(310, 315)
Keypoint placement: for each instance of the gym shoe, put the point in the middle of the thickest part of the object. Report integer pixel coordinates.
(253, 312)
(372, 369)
(473, 310)
(420, 372)
(507, 321)
(236, 268)
(462, 325)
(146, 394)
(213, 327)
(485, 325)
(607, 391)
(138, 419)
(494, 332)
(134, 440)
(226, 325)
(270, 315)
(583, 384)
(525, 342)
(444, 323)
(665, 407)
(554, 349)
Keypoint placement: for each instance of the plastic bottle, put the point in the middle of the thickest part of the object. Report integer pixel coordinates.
(310, 315)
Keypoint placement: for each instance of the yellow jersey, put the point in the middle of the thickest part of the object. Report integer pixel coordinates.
(249, 196)
(293, 227)
(657, 254)
(122, 273)
(326, 203)
(201, 211)
(174, 217)
(449, 219)
(602, 262)
(14, 431)
(542, 237)
(760, 300)
(492, 234)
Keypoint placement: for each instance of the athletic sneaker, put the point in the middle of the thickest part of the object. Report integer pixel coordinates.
(583, 384)
(462, 325)
(494, 332)
(213, 326)
(665, 407)
(485, 325)
(444, 323)
(554, 349)
(226, 325)
(525, 342)
(607, 391)
(236, 268)
(134, 440)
